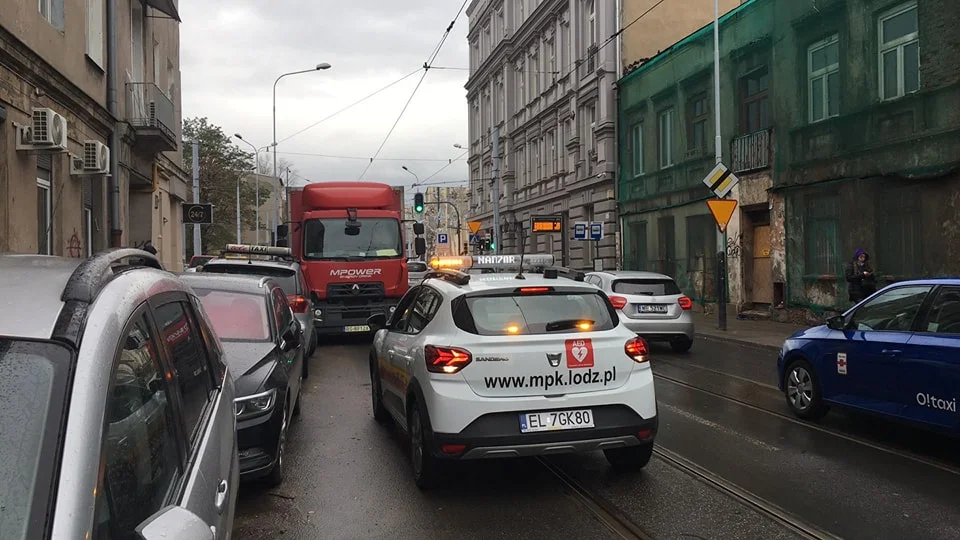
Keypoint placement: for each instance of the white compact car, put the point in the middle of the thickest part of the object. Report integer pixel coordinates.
(495, 365)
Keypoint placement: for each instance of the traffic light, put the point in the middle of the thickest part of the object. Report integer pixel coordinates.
(418, 203)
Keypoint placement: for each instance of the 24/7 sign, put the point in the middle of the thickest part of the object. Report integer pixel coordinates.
(198, 214)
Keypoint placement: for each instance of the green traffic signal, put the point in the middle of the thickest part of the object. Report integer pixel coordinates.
(418, 203)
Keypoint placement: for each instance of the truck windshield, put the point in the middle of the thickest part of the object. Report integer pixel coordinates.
(327, 239)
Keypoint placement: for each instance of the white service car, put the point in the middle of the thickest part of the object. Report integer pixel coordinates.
(490, 366)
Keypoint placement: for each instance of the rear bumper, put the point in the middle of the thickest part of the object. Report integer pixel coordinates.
(661, 330)
(497, 435)
(335, 319)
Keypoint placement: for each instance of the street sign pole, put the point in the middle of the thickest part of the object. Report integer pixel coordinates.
(718, 147)
(196, 194)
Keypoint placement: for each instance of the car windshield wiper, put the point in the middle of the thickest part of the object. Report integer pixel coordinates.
(567, 324)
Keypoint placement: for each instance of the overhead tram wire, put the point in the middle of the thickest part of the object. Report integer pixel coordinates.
(447, 165)
(355, 103)
(426, 68)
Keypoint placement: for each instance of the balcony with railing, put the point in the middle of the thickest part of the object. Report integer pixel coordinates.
(751, 152)
(150, 113)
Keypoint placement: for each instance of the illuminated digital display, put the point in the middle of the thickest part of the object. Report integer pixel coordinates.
(546, 224)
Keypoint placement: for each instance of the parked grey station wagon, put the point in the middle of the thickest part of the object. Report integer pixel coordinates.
(116, 408)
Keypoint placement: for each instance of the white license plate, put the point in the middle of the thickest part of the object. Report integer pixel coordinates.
(652, 309)
(556, 420)
(359, 328)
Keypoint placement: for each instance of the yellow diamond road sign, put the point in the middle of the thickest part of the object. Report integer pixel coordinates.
(721, 180)
(474, 226)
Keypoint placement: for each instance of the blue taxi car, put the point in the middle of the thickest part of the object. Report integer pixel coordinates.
(896, 353)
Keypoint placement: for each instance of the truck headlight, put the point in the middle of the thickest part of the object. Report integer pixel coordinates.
(255, 405)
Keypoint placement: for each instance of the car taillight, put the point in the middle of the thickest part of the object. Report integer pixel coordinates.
(447, 360)
(297, 303)
(637, 349)
(685, 302)
(618, 302)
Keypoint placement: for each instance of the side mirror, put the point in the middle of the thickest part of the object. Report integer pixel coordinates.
(419, 246)
(174, 522)
(377, 321)
(283, 230)
(838, 322)
(290, 340)
(282, 242)
(418, 228)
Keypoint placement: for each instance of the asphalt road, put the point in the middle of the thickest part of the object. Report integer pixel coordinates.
(730, 463)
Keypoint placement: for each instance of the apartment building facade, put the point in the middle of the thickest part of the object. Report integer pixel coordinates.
(113, 176)
(840, 120)
(541, 74)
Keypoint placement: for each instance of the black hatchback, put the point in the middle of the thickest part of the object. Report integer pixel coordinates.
(263, 346)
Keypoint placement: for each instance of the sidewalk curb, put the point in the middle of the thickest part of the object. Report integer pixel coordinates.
(738, 341)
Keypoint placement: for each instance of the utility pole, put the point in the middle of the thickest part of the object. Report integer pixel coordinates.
(196, 194)
(495, 144)
(718, 149)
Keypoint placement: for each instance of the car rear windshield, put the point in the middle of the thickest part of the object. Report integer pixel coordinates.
(32, 391)
(545, 313)
(287, 279)
(416, 267)
(236, 316)
(646, 287)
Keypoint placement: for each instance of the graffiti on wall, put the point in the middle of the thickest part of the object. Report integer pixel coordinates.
(74, 248)
(733, 246)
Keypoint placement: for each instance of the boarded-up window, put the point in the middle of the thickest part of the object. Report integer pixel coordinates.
(898, 249)
(821, 228)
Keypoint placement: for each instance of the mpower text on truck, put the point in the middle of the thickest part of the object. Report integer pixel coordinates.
(349, 241)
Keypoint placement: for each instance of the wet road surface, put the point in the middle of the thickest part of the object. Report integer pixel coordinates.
(731, 462)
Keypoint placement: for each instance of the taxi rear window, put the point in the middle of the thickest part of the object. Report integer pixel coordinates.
(287, 279)
(544, 313)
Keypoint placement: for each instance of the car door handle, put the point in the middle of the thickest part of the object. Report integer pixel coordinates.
(391, 354)
(221, 500)
(891, 352)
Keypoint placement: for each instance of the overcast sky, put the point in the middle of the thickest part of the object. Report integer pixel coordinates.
(233, 50)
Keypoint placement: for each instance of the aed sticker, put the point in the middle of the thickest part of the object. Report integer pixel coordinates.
(579, 353)
(842, 363)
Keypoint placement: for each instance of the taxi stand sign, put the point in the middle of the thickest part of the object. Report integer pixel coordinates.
(497, 262)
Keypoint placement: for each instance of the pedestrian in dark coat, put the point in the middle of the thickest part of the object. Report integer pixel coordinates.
(861, 281)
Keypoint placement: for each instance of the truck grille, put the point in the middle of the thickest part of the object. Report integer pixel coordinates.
(355, 292)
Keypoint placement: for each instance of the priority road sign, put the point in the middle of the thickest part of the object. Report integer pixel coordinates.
(722, 210)
(442, 238)
(474, 226)
(720, 180)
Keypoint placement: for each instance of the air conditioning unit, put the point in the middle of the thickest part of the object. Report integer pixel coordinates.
(47, 132)
(76, 166)
(96, 157)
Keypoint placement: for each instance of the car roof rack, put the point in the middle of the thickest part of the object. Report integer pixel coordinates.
(455, 277)
(86, 282)
(554, 272)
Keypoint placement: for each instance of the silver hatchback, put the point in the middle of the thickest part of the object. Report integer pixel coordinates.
(650, 304)
(116, 407)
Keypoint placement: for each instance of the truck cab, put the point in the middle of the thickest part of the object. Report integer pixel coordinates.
(349, 241)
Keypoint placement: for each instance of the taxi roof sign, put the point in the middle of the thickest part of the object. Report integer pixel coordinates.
(249, 249)
(498, 262)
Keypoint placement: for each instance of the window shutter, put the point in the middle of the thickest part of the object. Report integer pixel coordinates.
(95, 31)
(45, 162)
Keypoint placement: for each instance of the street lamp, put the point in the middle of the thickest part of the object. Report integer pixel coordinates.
(256, 166)
(319, 67)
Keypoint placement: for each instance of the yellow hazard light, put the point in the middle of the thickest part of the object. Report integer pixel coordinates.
(450, 262)
(513, 329)
(584, 326)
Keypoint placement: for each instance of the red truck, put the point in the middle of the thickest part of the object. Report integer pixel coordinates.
(348, 239)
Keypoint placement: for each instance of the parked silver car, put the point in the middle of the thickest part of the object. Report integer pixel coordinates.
(650, 304)
(115, 403)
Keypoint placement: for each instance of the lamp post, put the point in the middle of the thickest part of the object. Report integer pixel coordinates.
(319, 67)
(256, 166)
